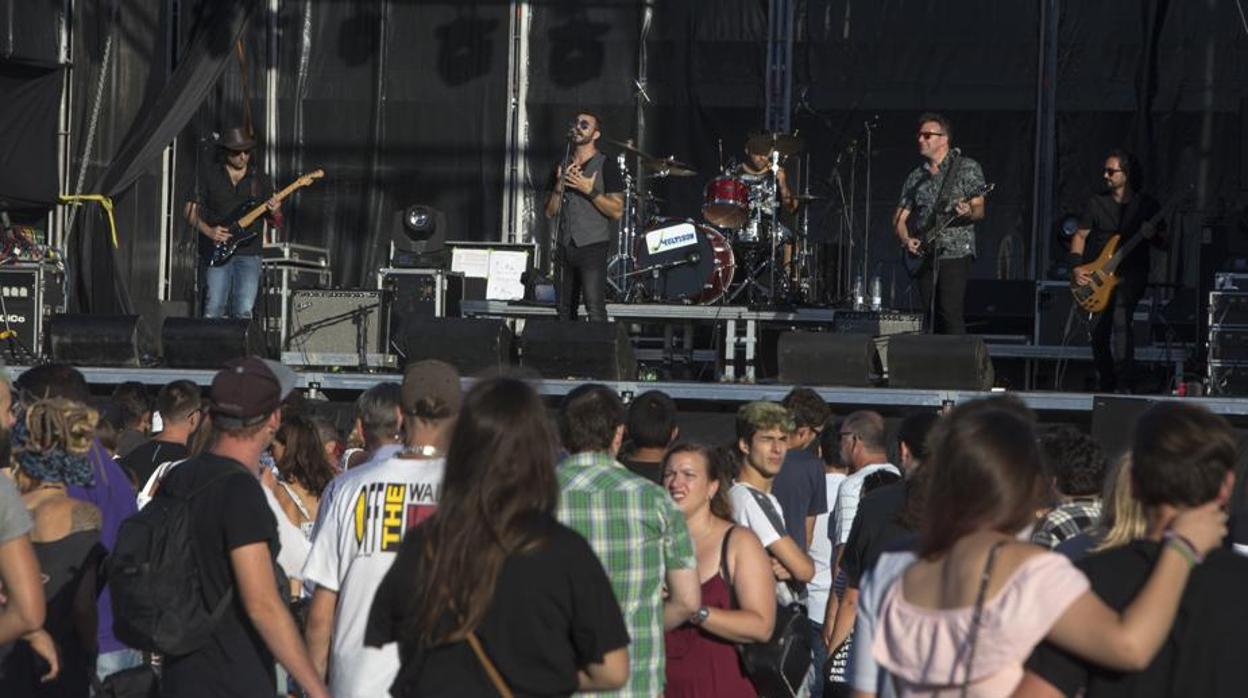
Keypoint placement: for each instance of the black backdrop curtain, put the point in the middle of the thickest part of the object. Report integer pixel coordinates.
(405, 102)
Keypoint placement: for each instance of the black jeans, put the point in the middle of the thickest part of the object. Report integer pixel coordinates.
(949, 277)
(584, 273)
(1113, 335)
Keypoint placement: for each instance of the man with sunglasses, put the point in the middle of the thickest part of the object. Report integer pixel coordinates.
(230, 288)
(1120, 209)
(586, 199)
(945, 181)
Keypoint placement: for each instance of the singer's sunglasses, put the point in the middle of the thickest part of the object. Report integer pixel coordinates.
(584, 124)
(929, 134)
(1110, 171)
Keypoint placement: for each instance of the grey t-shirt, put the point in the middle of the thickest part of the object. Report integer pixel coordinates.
(14, 519)
(584, 224)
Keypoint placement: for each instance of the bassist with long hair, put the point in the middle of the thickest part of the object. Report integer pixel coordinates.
(1121, 211)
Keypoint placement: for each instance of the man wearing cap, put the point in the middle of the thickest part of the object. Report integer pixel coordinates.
(235, 538)
(359, 531)
(230, 181)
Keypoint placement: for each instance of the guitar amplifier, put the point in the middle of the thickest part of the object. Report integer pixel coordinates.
(878, 323)
(336, 328)
(278, 280)
(1228, 308)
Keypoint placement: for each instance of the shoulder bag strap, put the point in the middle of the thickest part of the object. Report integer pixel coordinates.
(769, 511)
(490, 670)
(979, 610)
(723, 566)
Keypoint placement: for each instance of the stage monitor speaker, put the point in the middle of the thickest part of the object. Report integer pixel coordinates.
(936, 362)
(827, 358)
(588, 350)
(95, 340)
(195, 342)
(1113, 422)
(474, 346)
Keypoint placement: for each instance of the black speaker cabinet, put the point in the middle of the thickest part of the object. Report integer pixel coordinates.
(827, 358)
(939, 362)
(587, 350)
(195, 342)
(474, 346)
(95, 340)
(335, 328)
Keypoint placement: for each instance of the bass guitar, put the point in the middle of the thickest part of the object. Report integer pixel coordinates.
(929, 234)
(246, 213)
(1094, 297)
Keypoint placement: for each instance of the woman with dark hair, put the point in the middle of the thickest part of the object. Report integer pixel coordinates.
(979, 598)
(50, 446)
(492, 573)
(738, 589)
(303, 471)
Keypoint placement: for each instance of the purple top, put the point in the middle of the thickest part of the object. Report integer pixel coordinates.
(113, 495)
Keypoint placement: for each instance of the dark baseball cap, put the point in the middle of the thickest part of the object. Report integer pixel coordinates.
(248, 390)
(432, 379)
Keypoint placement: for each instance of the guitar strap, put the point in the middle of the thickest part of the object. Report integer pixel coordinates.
(944, 187)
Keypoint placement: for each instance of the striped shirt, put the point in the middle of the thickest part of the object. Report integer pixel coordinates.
(638, 534)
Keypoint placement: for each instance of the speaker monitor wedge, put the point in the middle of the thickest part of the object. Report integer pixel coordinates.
(472, 345)
(934, 362)
(588, 350)
(95, 340)
(193, 342)
(827, 358)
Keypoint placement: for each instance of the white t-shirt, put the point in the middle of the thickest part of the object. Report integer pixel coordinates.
(847, 501)
(821, 552)
(357, 536)
(747, 512)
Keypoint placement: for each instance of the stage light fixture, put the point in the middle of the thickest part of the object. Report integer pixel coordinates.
(417, 236)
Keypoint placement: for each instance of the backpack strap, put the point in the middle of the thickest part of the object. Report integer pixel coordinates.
(773, 516)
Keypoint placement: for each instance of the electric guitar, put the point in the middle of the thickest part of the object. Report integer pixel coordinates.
(1094, 297)
(246, 213)
(929, 234)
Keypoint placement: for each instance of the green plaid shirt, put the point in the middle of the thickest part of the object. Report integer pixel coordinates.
(638, 534)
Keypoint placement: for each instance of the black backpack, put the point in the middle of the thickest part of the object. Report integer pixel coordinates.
(158, 601)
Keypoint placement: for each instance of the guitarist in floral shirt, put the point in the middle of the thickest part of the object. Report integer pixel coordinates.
(946, 187)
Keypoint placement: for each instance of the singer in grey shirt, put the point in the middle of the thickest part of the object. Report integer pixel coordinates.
(586, 202)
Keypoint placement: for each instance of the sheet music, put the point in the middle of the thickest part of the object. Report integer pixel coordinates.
(472, 263)
(505, 269)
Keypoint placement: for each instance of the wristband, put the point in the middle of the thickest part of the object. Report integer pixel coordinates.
(1184, 547)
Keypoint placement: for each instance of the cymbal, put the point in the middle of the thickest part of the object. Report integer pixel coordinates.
(668, 167)
(783, 143)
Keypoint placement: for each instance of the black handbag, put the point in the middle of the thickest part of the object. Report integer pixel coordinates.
(777, 667)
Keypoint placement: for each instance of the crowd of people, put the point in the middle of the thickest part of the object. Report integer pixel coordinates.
(470, 543)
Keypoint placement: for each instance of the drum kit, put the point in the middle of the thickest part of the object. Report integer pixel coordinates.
(738, 252)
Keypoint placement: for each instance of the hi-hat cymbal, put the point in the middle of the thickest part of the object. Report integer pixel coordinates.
(783, 143)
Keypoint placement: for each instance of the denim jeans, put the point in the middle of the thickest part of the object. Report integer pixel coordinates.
(110, 663)
(230, 289)
(820, 655)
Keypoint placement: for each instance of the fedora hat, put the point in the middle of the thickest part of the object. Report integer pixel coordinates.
(237, 139)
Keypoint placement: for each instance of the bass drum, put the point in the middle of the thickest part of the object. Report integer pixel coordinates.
(682, 262)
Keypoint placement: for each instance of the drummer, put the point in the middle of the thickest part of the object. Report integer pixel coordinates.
(757, 165)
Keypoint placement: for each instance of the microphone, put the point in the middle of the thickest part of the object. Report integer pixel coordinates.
(571, 130)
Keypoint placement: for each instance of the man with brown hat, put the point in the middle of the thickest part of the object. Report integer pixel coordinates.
(228, 184)
(359, 530)
(235, 537)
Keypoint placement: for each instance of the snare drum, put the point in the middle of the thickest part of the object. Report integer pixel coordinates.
(726, 202)
(687, 262)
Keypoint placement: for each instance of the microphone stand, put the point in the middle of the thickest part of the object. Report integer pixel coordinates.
(556, 257)
(869, 125)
